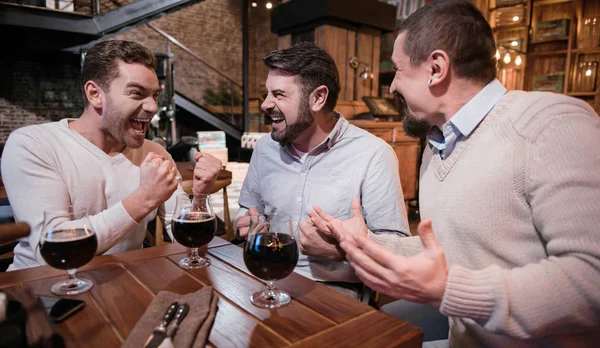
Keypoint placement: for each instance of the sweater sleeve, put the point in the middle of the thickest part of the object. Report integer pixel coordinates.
(34, 184)
(405, 246)
(559, 294)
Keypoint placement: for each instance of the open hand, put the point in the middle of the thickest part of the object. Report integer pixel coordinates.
(354, 228)
(244, 222)
(421, 278)
(313, 242)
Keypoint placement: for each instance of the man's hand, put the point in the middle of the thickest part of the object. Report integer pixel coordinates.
(206, 172)
(318, 243)
(421, 278)
(157, 178)
(244, 222)
(157, 184)
(354, 228)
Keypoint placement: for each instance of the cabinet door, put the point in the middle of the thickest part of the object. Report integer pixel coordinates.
(408, 159)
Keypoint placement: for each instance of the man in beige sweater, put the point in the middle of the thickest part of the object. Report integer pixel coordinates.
(509, 244)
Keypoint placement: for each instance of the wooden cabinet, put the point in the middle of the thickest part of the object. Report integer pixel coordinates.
(551, 58)
(407, 150)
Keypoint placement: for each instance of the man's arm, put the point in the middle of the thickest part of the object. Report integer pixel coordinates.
(381, 198)
(34, 184)
(559, 294)
(381, 206)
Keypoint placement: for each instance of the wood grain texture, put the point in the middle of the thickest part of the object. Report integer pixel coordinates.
(364, 47)
(126, 283)
(294, 321)
(376, 329)
(323, 300)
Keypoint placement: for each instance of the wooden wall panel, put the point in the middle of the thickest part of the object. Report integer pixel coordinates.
(375, 65)
(342, 57)
(284, 41)
(348, 85)
(364, 46)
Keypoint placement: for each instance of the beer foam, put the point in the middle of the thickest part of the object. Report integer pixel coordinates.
(198, 218)
(68, 235)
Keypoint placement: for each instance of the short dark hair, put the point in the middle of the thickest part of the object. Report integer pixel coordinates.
(313, 65)
(101, 63)
(458, 28)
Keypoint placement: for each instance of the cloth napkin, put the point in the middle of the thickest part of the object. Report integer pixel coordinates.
(193, 330)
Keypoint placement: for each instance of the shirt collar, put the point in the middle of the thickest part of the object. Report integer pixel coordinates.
(472, 113)
(334, 136)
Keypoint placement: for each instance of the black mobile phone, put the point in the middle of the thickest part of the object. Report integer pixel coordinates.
(59, 309)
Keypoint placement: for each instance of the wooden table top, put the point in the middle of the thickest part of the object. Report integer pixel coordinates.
(126, 283)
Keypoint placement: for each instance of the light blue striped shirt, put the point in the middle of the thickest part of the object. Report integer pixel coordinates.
(466, 119)
(349, 163)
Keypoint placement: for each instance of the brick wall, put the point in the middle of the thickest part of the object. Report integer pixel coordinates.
(44, 89)
(38, 90)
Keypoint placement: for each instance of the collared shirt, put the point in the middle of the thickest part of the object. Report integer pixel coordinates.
(349, 163)
(466, 119)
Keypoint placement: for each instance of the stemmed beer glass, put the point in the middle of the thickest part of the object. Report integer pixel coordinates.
(271, 253)
(193, 225)
(68, 242)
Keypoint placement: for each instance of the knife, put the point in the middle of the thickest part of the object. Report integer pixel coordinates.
(160, 331)
(182, 311)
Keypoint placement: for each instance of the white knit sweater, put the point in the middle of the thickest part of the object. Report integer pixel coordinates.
(516, 208)
(49, 166)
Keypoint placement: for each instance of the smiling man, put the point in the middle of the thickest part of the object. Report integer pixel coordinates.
(315, 157)
(101, 162)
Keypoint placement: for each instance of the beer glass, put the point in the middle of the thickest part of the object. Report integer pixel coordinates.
(193, 225)
(68, 242)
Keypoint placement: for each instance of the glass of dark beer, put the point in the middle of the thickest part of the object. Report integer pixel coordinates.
(271, 253)
(193, 225)
(68, 242)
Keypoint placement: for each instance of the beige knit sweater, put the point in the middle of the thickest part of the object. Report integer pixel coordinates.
(516, 208)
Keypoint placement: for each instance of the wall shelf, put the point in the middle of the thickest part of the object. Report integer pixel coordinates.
(582, 94)
(511, 27)
(548, 54)
(555, 39)
(587, 50)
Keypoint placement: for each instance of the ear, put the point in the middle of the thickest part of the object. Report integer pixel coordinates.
(439, 67)
(93, 93)
(318, 98)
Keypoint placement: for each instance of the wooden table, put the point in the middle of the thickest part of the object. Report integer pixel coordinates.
(126, 283)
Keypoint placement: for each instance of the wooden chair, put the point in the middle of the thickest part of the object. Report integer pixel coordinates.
(9, 234)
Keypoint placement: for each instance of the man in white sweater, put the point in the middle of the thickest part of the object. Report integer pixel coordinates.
(100, 162)
(509, 242)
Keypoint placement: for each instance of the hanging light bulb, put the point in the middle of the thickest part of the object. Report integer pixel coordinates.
(269, 5)
(588, 72)
(254, 4)
(506, 58)
(516, 18)
(497, 55)
(514, 43)
(518, 60)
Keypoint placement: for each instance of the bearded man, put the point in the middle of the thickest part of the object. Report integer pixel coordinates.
(100, 162)
(315, 157)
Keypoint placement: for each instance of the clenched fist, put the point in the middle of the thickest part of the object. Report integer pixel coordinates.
(206, 172)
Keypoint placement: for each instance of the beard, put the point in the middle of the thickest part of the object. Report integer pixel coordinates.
(114, 123)
(413, 127)
(292, 131)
